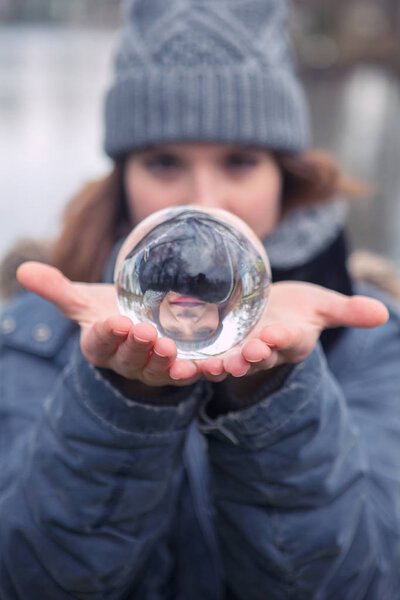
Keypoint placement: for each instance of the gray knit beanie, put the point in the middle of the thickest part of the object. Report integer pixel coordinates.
(205, 70)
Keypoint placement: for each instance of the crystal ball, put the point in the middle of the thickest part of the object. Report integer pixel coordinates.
(201, 277)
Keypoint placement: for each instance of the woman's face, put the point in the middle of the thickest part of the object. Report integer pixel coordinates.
(188, 318)
(242, 180)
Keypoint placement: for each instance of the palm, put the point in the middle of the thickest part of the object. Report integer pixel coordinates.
(92, 302)
(107, 338)
(306, 309)
(83, 303)
(292, 322)
(288, 330)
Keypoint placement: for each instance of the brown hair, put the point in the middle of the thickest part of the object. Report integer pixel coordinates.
(97, 216)
(314, 177)
(93, 221)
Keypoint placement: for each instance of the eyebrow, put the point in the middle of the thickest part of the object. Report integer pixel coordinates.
(205, 330)
(171, 331)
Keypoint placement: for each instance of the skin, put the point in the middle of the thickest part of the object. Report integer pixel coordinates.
(246, 183)
(188, 319)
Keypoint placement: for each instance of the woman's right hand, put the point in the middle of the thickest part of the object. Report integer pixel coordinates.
(109, 340)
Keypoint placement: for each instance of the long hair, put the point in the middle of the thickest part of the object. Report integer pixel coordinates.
(93, 222)
(98, 215)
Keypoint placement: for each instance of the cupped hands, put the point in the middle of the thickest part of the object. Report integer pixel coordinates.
(287, 332)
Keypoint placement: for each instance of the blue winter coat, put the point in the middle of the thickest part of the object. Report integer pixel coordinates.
(101, 497)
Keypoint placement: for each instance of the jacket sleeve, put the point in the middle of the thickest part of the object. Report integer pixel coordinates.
(91, 490)
(307, 481)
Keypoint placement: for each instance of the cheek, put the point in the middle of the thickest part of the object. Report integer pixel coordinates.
(163, 316)
(140, 198)
(211, 317)
(260, 209)
(269, 204)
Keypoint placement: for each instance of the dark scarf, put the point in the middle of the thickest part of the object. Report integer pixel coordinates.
(327, 269)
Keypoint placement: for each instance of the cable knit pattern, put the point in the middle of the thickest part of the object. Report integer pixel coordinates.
(205, 71)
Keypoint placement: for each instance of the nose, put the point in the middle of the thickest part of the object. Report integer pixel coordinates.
(186, 328)
(188, 315)
(206, 189)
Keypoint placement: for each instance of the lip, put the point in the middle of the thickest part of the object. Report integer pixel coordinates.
(186, 301)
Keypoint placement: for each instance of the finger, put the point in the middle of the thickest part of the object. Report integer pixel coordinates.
(213, 369)
(134, 353)
(216, 378)
(213, 366)
(279, 335)
(273, 360)
(162, 357)
(354, 311)
(145, 332)
(235, 364)
(103, 339)
(255, 351)
(183, 370)
(49, 283)
(291, 341)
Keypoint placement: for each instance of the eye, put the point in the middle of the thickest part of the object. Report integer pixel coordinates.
(163, 163)
(173, 333)
(240, 161)
(202, 334)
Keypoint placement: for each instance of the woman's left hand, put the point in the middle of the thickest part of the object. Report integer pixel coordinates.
(290, 327)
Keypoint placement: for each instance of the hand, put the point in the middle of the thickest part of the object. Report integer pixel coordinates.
(108, 339)
(294, 318)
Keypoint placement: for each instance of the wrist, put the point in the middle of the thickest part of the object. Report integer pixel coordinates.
(166, 395)
(235, 394)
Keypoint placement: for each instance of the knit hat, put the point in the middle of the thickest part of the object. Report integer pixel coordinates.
(205, 70)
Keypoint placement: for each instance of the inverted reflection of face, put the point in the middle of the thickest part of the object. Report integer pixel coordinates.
(185, 318)
(200, 280)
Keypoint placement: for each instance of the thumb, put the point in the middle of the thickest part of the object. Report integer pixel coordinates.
(354, 311)
(49, 283)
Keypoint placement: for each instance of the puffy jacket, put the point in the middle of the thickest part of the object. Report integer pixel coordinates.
(102, 497)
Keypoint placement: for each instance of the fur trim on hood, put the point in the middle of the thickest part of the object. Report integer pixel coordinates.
(25, 249)
(372, 268)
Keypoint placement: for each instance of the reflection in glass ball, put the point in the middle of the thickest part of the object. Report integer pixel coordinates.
(201, 277)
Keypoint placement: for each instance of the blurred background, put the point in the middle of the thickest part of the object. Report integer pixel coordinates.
(55, 61)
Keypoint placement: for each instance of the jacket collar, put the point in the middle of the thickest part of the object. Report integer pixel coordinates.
(305, 233)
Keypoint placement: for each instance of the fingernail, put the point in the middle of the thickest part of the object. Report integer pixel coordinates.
(240, 373)
(119, 333)
(216, 373)
(141, 340)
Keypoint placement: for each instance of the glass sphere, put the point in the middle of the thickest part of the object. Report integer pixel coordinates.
(200, 277)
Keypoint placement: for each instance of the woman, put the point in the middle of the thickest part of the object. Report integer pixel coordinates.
(108, 489)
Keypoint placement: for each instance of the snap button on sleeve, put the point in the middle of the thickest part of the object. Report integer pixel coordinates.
(42, 332)
(8, 325)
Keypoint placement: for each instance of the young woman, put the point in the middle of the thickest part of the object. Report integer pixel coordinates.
(271, 471)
